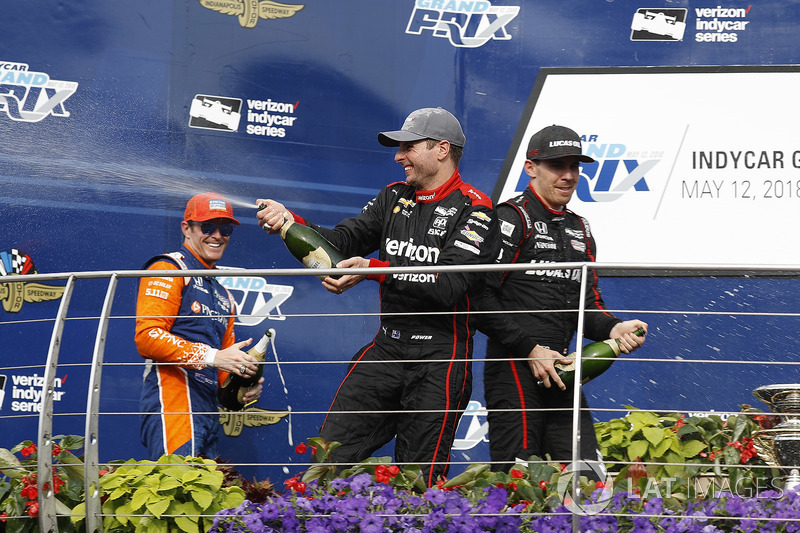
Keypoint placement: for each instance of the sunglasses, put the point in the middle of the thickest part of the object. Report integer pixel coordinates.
(208, 228)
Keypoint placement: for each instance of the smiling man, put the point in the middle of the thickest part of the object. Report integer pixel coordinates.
(186, 323)
(527, 415)
(425, 340)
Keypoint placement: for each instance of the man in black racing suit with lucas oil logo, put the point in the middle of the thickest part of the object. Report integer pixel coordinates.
(526, 415)
(425, 340)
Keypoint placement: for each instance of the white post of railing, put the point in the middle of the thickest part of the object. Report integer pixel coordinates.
(576, 404)
(44, 458)
(94, 524)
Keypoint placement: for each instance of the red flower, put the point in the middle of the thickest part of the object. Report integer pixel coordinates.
(600, 485)
(57, 483)
(516, 474)
(295, 484)
(27, 451)
(382, 474)
(33, 508)
(3, 516)
(29, 489)
(512, 486)
(746, 448)
(56, 449)
(301, 448)
(394, 470)
(543, 485)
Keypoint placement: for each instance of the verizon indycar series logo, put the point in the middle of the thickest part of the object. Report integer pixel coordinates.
(718, 24)
(465, 24)
(215, 112)
(30, 96)
(658, 25)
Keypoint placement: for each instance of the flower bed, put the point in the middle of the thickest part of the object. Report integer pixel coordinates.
(359, 503)
(657, 458)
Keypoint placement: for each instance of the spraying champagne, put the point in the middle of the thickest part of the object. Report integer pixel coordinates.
(308, 246)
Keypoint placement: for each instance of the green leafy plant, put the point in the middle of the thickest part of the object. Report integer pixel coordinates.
(674, 446)
(19, 506)
(175, 493)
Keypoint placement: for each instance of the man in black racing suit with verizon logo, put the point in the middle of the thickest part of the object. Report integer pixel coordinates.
(425, 337)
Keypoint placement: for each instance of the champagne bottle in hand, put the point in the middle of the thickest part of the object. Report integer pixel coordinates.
(308, 246)
(597, 357)
(231, 393)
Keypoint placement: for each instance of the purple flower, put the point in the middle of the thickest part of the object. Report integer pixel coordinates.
(338, 521)
(653, 506)
(463, 523)
(371, 524)
(339, 484)
(270, 512)
(317, 525)
(435, 496)
(289, 520)
(435, 519)
(254, 523)
(360, 482)
(642, 524)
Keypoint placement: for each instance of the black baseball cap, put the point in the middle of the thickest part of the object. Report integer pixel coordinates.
(556, 141)
(426, 123)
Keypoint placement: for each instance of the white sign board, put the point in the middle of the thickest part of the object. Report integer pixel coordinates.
(695, 165)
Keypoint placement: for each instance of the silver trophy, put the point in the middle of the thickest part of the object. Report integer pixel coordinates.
(780, 446)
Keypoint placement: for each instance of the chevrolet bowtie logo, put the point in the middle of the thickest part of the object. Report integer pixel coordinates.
(249, 11)
(406, 202)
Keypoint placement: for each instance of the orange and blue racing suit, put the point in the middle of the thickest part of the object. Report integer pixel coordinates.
(181, 323)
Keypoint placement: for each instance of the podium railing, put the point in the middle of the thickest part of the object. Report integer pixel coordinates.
(46, 496)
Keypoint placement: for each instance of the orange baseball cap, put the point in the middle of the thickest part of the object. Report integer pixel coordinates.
(208, 206)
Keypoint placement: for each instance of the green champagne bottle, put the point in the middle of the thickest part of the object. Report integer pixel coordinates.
(597, 358)
(231, 393)
(308, 246)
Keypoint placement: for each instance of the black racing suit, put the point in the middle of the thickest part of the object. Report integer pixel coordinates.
(532, 233)
(452, 225)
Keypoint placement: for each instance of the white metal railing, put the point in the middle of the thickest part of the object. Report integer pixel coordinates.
(47, 508)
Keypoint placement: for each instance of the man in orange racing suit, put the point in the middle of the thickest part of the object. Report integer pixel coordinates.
(184, 328)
